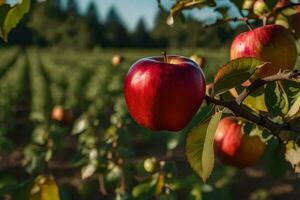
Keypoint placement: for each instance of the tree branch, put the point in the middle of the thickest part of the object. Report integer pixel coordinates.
(290, 76)
(242, 111)
(233, 19)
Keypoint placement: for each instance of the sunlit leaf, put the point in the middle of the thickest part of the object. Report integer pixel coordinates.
(248, 4)
(12, 17)
(181, 5)
(44, 188)
(2, 2)
(282, 20)
(199, 146)
(256, 100)
(235, 73)
(159, 185)
(294, 110)
(292, 155)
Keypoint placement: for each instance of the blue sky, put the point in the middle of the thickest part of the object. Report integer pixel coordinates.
(129, 10)
(132, 10)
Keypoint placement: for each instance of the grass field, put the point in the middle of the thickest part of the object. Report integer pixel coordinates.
(33, 81)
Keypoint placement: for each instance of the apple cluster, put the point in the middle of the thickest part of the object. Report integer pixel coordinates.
(165, 92)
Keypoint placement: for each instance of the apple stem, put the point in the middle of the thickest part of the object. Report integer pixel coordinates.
(164, 53)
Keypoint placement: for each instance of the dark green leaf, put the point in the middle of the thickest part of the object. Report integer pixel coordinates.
(271, 3)
(276, 99)
(235, 73)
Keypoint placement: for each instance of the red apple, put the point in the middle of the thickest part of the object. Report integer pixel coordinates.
(62, 115)
(270, 43)
(235, 148)
(164, 93)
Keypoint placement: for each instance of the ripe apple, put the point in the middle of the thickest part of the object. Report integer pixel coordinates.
(62, 115)
(117, 59)
(164, 93)
(235, 148)
(270, 43)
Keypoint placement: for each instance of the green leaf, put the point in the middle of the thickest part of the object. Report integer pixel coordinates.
(12, 17)
(292, 89)
(204, 113)
(44, 188)
(274, 160)
(144, 189)
(235, 73)
(282, 20)
(290, 11)
(294, 111)
(248, 4)
(256, 100)
(199, 146)
(181, 5)
(276, 99)
(271, 3)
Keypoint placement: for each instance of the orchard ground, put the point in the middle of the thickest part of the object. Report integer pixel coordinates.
(72, 78)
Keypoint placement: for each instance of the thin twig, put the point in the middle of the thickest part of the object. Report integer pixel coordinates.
(226, 20)
(290, 76)
(246, 21)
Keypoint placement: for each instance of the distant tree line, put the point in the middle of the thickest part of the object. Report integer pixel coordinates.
(51, 24)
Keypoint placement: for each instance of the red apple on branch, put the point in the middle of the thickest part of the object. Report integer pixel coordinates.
(270, 43)
(164, 93)
(235, 148)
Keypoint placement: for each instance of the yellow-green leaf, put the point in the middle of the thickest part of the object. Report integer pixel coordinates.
(13, 16)
(44, 188)
(186, 4)
(235, 73)
(199, 146)
(256, 100)
(295, 109)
